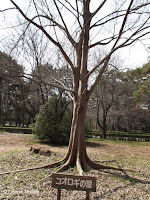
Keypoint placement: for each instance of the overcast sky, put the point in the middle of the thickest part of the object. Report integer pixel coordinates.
(133, 56)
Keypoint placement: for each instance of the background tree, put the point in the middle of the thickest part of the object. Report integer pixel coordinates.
(142, 82)
(104, 97)
(141, 94)
(125, 115)
(117, 26)
(8, 70)
(124, 104)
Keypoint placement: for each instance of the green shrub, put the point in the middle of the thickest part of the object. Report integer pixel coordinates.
(53, 122)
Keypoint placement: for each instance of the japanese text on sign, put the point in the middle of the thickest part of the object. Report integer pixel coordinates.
(74, 182)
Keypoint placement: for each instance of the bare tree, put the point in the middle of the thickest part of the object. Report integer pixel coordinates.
(75, 28)
(104, 95)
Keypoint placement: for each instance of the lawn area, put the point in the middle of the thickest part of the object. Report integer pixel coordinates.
(36, 184)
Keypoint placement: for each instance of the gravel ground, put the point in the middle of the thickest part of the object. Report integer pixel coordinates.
(36, 184)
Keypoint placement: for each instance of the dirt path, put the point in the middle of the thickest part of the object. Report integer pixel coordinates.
(17, 142)
(12, 142)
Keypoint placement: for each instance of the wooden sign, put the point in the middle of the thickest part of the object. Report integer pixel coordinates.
(64, 181)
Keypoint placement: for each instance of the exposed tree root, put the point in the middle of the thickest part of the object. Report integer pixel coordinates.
(34, 168)
(79, 167)
(87, 165)
(64, 167)
(97, 166)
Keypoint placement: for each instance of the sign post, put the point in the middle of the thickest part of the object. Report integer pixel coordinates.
(64, 181)
(58, 193)
(87, 195)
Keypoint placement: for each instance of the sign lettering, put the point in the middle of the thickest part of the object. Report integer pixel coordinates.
(64, 181)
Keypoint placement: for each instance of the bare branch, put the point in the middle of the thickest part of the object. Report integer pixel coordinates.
(110, 39)
(133, 40)
(119, 13)
(37, 12)
(29, 77)
(7, 9)
(69, 93)
(100, 6)
(49, 84)
(65, 29)
(139, 30)
(123, 24)
(21, 36)
(47, 35)
(78, 14)
(141, 6)
(110, 18)
(99, 75)
(107, 57)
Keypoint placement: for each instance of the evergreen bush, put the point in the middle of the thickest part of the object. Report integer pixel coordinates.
(53, 122)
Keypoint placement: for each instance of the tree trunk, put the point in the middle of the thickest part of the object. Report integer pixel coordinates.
(104, 136)
(104, 129)
(29, 121)
(77, 154)
(77, 147)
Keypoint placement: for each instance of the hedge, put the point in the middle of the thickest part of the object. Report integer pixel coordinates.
(123, 136)
(94, 134)
(16, 130)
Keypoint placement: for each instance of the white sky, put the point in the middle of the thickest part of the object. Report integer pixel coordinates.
(133, 56)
